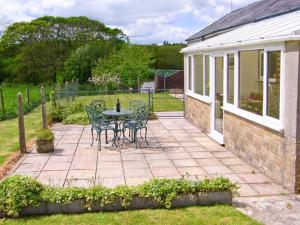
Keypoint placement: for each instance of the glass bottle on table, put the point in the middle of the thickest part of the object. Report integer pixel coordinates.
(118, 106)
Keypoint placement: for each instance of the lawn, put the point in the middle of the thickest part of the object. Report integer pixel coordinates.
(10, 92)
(162, 102)
(9, 139)
(208, 215)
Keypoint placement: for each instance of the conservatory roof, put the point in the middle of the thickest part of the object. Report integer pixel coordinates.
(281, 28)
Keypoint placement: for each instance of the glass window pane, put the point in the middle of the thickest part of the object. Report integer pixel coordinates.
(207, 72)
(198, 73)
(251, 84)
(190, 73)
(273, 87)
(230, 78)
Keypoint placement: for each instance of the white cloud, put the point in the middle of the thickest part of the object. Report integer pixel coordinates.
(146, 21)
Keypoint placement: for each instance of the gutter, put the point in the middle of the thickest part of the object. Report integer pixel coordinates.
(194, 48)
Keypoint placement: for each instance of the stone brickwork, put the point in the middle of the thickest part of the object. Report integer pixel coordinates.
(198, 113)
(271, 152)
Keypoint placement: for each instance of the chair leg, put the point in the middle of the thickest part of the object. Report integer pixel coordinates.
(106, 137)
(141, 133)
(92, 131)
(146, 130)
(135, 138)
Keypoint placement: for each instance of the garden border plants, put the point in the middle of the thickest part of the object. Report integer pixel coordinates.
(23, 196)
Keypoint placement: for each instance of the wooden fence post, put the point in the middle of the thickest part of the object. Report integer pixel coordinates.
(22, 140)
(2, 102)
(44, 116)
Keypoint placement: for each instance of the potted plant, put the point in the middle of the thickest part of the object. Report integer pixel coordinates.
(45, 141)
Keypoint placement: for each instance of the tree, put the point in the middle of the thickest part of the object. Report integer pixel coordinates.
(83, 60)
(39, 62)
(105, 80)
(131, 62)
(4, 22)
(75, 30)
(167, 56)
(41, 46)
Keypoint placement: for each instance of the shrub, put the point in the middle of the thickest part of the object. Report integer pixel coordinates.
(44, 135)
(77, 118)
(61, 111)
(17, 192)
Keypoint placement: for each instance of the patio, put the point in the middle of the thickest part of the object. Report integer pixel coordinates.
(176, 148)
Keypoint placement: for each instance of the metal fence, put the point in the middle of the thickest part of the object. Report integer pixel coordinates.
(163, 103)
(9, 111)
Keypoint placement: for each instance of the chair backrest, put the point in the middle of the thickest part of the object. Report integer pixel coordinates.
(135, 105)
(140, 110)
(92, 115)
(98, 106)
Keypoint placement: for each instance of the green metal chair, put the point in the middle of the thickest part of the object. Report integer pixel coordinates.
(99, 106)
(98, 123)
(138, 120)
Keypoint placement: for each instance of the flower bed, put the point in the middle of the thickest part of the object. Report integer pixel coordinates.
(22, 196)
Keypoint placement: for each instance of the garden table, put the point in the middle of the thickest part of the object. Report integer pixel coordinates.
(117, 116)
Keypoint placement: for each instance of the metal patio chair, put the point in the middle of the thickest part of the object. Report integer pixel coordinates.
(99, 123)
(138, 120)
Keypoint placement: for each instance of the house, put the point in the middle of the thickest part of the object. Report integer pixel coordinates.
(242, 86)
(169, 79)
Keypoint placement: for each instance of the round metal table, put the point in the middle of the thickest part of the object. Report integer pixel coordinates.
(117, 116)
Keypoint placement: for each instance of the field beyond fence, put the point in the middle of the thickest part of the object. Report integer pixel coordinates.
(8, 99)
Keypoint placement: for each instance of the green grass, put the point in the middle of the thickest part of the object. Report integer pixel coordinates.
(209, 215)
(10, 92)
(162, 101)
(9, 141)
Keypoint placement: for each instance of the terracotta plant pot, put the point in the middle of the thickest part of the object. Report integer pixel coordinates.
(45, 146)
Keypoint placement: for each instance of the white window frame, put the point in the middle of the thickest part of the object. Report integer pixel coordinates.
(265, 120)
(189, 57)
(235, 54)
(191, 92)
(194, 92)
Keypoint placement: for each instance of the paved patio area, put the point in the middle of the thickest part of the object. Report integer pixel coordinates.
(177, 148)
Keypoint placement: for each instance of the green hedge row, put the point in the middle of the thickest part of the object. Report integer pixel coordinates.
(17, 192)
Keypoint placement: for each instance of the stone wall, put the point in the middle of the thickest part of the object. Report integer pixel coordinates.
(269, 151)
(198, 113)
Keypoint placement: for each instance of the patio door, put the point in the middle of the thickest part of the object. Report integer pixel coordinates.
(217, 119)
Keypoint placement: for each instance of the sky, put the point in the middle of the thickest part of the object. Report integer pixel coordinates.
(144, 21)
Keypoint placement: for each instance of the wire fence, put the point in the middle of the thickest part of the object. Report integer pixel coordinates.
(164, 102)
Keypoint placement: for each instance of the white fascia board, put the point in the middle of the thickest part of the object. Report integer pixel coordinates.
(194, 49)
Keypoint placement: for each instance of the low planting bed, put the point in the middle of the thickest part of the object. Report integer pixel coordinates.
(24, 196)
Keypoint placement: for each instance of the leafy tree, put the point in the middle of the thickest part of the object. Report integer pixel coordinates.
(131, 62)
(106, 81)
(168, 56)
(39, 62)
(82, 60)
(75, 30)
(4, 22)
(41, 46)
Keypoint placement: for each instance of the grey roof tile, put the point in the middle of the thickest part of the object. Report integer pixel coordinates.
(251, 13)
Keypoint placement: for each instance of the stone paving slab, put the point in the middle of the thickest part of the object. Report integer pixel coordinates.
(271, 210)
(176, 148)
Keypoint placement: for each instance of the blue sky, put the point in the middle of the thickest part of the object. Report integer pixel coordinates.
(144, 21)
